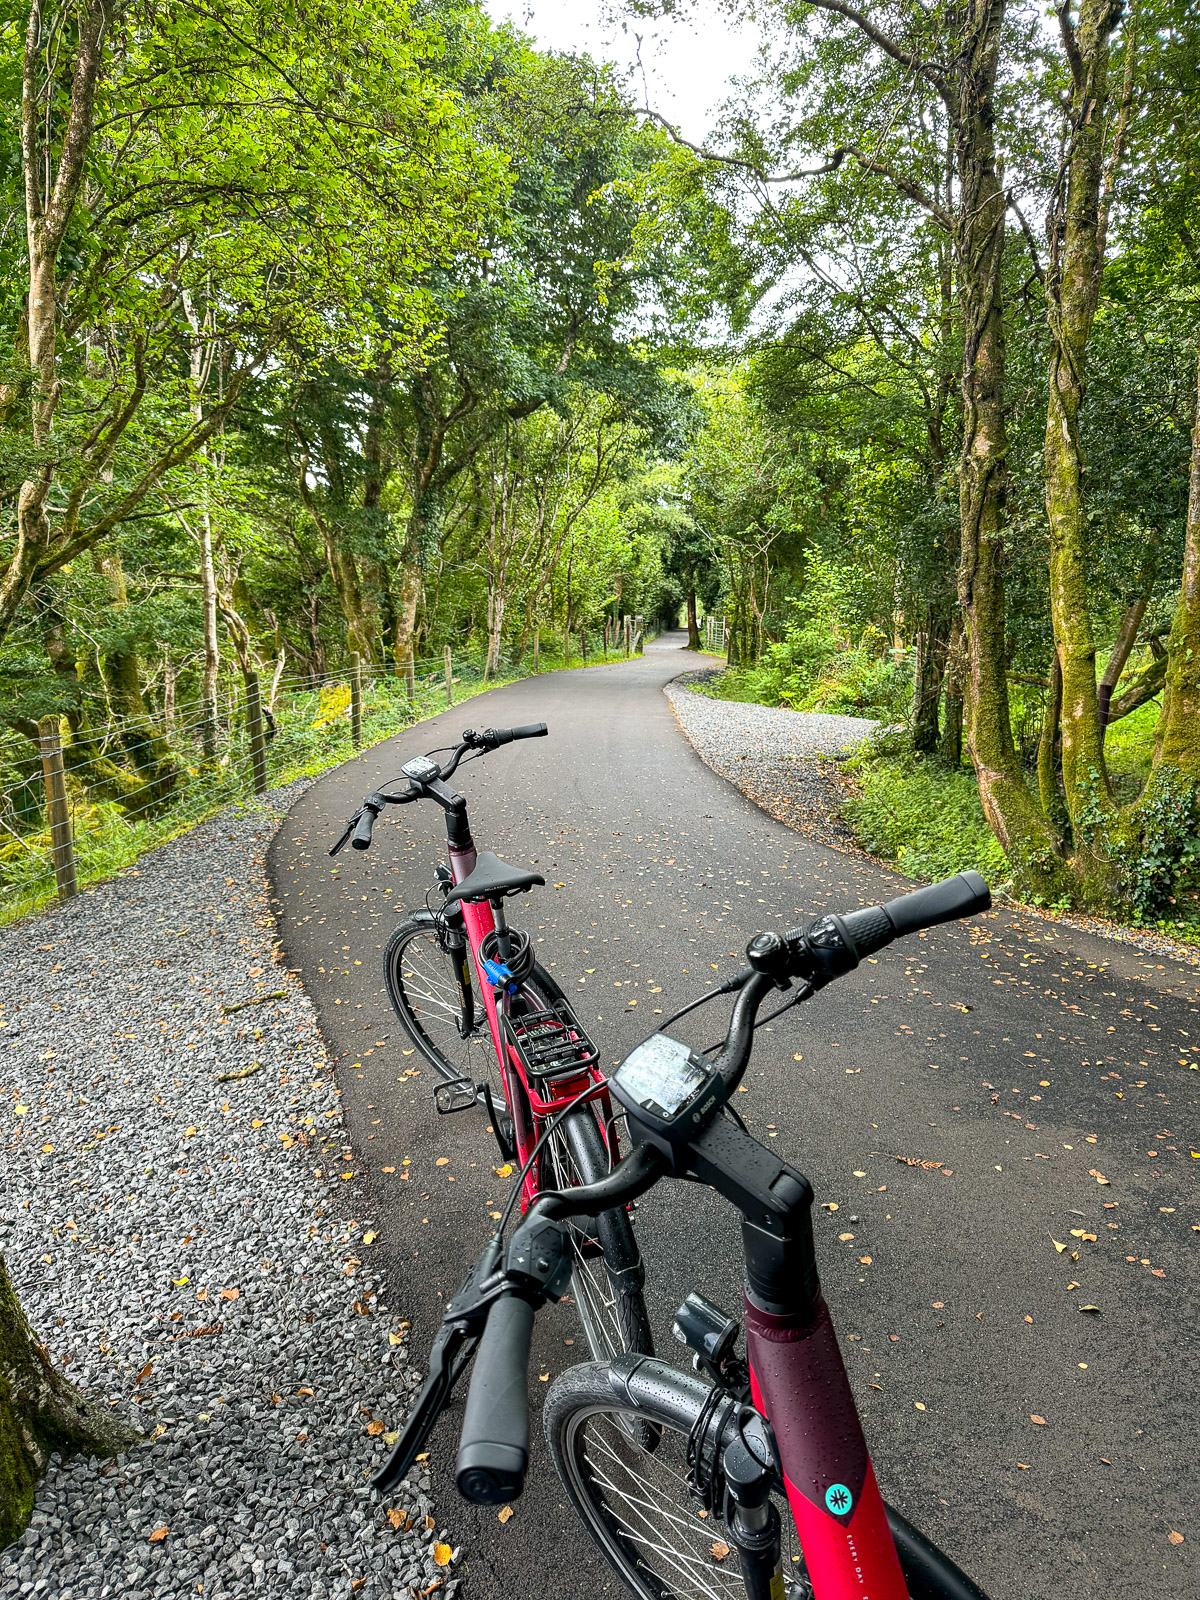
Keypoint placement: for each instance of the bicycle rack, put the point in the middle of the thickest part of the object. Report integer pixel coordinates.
(551, 1045)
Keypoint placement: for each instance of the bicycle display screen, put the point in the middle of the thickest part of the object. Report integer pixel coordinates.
(661, 1081)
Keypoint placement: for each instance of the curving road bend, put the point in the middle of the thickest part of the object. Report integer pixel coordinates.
(958, 1102)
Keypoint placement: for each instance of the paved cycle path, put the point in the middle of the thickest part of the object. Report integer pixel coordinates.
(958, 1100)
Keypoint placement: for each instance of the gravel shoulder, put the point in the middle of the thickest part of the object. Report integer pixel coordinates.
(785, 761)
(182, 1220)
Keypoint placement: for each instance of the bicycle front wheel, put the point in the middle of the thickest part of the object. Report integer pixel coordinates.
(637, 1502)
(429, 984)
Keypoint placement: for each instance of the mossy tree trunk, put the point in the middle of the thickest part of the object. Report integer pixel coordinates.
(1076, 233)
(1011, 808)
(1178, 738)
(40, 1412)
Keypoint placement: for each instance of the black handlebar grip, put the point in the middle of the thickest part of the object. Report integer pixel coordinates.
(960, 896)
(362, 831)
(531, 730)
(493, 1451)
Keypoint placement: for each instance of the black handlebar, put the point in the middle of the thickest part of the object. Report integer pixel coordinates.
(493, 1450)
(498, 736)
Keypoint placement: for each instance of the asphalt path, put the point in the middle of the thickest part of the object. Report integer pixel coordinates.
(959, 1100)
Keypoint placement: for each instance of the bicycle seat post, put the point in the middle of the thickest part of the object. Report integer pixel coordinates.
(503, 942)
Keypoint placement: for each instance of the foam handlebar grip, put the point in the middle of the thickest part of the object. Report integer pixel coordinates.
(493, 1450)
(961, 896)
(531, 730)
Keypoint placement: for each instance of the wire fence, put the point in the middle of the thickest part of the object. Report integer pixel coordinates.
(103, 797)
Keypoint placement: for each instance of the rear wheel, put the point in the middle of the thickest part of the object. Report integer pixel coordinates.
(426, 982)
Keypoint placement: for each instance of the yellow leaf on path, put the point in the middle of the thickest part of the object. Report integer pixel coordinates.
(1059, 1247)
(829, 1205)
(1090, 1308)
(189, 1132)
(719, 1550)
(865, 1260)
(179, 1282)
(344, 1175)
(920, 1405)
(257, 1123)
(1174, 1538)
(201, 1294)
(441, 1555)
(504, 1513)
(375, 1428)
(158, 1535)
(1041, 1421)
(21, 1110)
(390, 1438)
(442, 1161)
(1099, 1176)
(370, 1238)
(505, 1171)
(230, 1294)
(398, 1519)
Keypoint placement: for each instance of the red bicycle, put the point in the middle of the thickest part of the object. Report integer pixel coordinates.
(495, 1026)
(749, 1475)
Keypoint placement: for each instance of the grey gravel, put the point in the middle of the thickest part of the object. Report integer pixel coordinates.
(192, 1251)
(785, 761)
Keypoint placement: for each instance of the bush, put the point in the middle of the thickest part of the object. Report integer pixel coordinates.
(924, 817)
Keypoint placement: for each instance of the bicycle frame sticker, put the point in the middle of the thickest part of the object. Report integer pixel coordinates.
(798, 1382)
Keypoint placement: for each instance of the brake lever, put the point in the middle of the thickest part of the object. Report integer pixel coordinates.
(350, 827)
(452, 1351)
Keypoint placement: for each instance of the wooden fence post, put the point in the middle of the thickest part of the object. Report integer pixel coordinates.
(536, 638)
(254, 727)
(355, 699)
(628, 636)
(62, 848)
(583, 646)
(449, 676)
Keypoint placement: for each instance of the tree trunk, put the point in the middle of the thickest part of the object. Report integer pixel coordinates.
(1047, 762)
(1126, 637)
(406, 624)
(1010, 808)
(40, 1412)
(693, 626)
(1178, 737)
(1076, 228)
(928, 672)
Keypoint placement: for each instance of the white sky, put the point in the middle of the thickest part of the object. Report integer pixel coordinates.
(688, 64)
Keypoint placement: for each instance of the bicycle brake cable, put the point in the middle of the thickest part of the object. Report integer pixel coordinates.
(592, 1088)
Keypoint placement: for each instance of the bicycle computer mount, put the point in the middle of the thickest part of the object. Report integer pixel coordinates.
(670, 1093)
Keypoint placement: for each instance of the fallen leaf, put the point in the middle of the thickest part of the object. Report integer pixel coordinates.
(1024, 1466)
(304, 1391)
(504, 1513)
(1099, 1176)
(505, 1171)
(398, 1519)
(344, 1175)
(1059, 1247)
(1157, 1272)
(865, 1260)
(829, 1205)
(230, 1294)
(719, 1550)
(370, 1238)
(1071, 1286)
(1174, 1538)
(388, 1438)
(919, 1404)
(375, 1428)
(145, 1372)
(158, 1535)
(860, 1174)
(1096, 1309)
(442, 1161)
(1041, 1421)
(257, 1123)
(201, 1294)
(442, 1554)
(843, 1237)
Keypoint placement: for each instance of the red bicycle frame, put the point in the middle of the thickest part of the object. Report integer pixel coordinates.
(526, 1106)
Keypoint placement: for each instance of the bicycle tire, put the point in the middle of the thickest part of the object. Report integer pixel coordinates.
(669, 1404)
(612, 1321)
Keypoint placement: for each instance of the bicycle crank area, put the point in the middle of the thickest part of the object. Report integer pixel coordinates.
(956, 1105)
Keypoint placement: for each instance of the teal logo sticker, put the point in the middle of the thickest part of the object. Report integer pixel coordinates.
(839, 1499)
